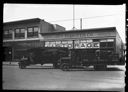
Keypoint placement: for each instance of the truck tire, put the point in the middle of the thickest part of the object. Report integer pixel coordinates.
(21, 65)
(65, 67)
(55, 65)
(100, 67)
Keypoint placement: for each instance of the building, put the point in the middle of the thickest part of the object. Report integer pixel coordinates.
(87, 39)
(21, 35)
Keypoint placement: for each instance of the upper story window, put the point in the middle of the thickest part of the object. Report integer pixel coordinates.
(19, 33)
(8, 34)
(32, 32)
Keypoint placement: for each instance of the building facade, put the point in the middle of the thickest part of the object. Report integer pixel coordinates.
(87, 39)
(21, 35)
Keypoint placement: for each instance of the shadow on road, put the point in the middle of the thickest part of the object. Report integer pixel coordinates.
(81, 69)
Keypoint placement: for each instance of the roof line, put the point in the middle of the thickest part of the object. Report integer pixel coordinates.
(79, 30)
(22, 20)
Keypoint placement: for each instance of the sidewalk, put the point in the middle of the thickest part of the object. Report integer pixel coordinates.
(9, 63)
(16, 63)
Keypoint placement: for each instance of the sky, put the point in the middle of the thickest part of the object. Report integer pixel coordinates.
(93, 16)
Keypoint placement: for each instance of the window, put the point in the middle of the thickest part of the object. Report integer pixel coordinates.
(103, 44)
(110, 44)
(22, 31)
(35, 29)
(32, 32)
(106, 44)
(5, 32)
(29, 29)
(19, 33)
(10, 31)
(8, 34)
(95, 40)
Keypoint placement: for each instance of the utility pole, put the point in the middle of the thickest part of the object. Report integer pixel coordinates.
(73, 16)
(81, 23)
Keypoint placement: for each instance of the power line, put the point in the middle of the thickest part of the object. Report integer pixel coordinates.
(82, 18)
(73, 16)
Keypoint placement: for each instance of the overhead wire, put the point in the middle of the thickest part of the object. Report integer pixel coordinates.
(82, 18)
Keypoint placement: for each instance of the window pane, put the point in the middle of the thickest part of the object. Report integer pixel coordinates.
(95, 40)
(110, 44)
(5, 32)
(10, 31)
(103, 44)
(17, 30)
(22, 30)
(35, 29)
(29, 29)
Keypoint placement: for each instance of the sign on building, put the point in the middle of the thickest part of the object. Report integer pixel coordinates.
(85, 44)
(68, 44)
(78, 44)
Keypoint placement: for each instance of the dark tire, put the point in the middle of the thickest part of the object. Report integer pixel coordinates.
(55, 66)
(61, 66)
(65, 67)
(22, 66)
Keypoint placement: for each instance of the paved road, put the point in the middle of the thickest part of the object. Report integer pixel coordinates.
(39, 78)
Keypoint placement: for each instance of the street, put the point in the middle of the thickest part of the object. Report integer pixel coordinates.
(37, 77)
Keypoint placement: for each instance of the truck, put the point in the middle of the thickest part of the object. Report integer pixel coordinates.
(110, 52)
(43, 55)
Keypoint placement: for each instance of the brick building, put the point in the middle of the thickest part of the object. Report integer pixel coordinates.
(23, 34)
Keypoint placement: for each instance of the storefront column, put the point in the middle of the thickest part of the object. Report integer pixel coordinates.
(26, 34)
(13, 35)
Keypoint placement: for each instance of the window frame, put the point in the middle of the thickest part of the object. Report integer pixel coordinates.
(8, 34)
(33, 33)
(19, 35)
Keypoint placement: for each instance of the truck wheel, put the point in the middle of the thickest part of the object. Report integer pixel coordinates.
(65, 67)
(22, 66)
(55, 66)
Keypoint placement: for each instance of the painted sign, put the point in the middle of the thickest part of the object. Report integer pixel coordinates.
(86, 44)
(78, 44)
(68, 44)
